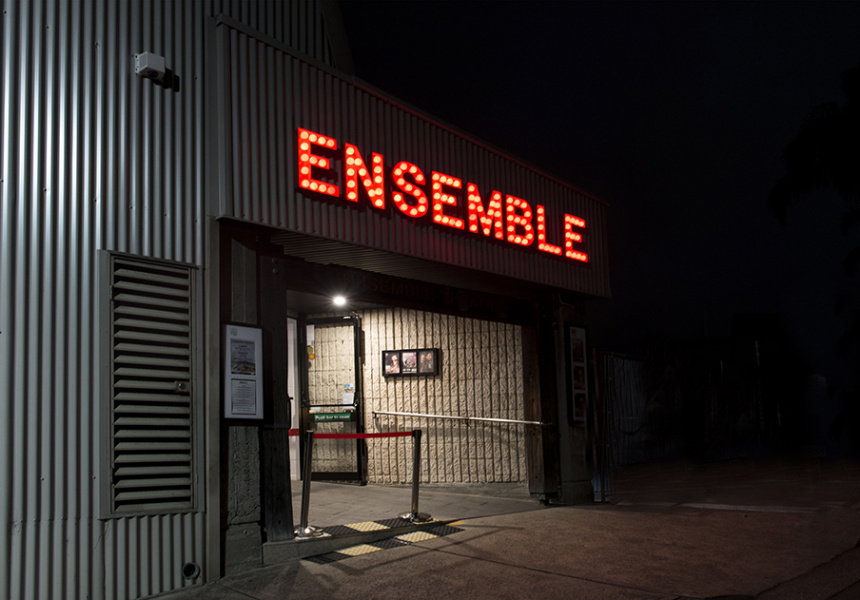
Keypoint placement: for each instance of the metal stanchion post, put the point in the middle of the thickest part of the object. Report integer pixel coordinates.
(415, 516)
(305, 530)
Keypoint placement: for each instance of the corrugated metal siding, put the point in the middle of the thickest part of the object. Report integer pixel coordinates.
(93, 158)
(144, 556)
(273, 93)
(295, 23)
(481, 376)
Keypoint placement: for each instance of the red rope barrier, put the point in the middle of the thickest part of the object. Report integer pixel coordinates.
(360, 436)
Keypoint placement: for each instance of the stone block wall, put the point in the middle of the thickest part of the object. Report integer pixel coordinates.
(481, 375)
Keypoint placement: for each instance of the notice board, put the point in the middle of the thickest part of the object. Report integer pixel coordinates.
(243, 372)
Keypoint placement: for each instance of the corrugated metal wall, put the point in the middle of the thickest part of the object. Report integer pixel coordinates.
(296, 23)
(625, 395)
(481, 376)
(93, 158)
(273, 93)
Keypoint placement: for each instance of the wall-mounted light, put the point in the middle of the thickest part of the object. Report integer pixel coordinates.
(150, 66)
(339, 300)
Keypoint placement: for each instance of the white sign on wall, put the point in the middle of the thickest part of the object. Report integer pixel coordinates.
(243, 372)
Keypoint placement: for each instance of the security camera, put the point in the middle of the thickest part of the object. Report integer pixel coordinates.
(150, 66)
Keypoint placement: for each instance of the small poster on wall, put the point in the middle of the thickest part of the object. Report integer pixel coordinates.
(243, 372)
(427, 361)
(579, 408)
(424, 361)
(348, 397)
(410, 362)
(391, 362)
(578, 384)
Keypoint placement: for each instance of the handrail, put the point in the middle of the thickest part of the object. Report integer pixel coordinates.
(457, 418)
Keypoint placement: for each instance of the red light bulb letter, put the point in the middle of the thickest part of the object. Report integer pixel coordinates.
(308, 161)
(356, 170)
(541, 229)
(440, 199)
(488, 221)
(571, 237)
(401, 170)
(521, 221)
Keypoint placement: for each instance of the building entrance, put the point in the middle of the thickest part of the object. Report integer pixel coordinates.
(475, 379)
(332, 401)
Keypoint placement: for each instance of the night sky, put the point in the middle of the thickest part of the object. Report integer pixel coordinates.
(675, 114)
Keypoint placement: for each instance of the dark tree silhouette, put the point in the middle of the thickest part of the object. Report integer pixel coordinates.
(826, 155)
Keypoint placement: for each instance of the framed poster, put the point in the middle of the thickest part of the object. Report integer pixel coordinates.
(391, 362)
(577, 393)
(427, 361)
(243, 372)
(419, 361)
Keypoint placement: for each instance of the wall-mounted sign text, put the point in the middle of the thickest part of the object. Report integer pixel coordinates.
(345, 173)
(243, 372)
(329, 417)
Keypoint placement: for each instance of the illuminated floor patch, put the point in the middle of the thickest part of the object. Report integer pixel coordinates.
(416, 536)
(367, 526)
(389, 543)
(425, 533)
(359, 550)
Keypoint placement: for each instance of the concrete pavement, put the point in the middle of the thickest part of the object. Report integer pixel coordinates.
(764, 530)
(336, 503)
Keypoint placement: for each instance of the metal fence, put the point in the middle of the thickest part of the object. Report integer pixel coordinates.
(703, 402)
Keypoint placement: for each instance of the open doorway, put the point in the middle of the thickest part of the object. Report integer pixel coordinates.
(325, 381)
(333, 399)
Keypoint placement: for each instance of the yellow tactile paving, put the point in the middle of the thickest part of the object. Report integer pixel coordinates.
(416, 536)
(359, 550)
(366, 526)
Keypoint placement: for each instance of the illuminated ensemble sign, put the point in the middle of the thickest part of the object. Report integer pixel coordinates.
(505, 218)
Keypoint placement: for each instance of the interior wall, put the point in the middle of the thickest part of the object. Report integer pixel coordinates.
(481, 375)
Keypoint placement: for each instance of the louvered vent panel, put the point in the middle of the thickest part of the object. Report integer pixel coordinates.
(151, 387)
